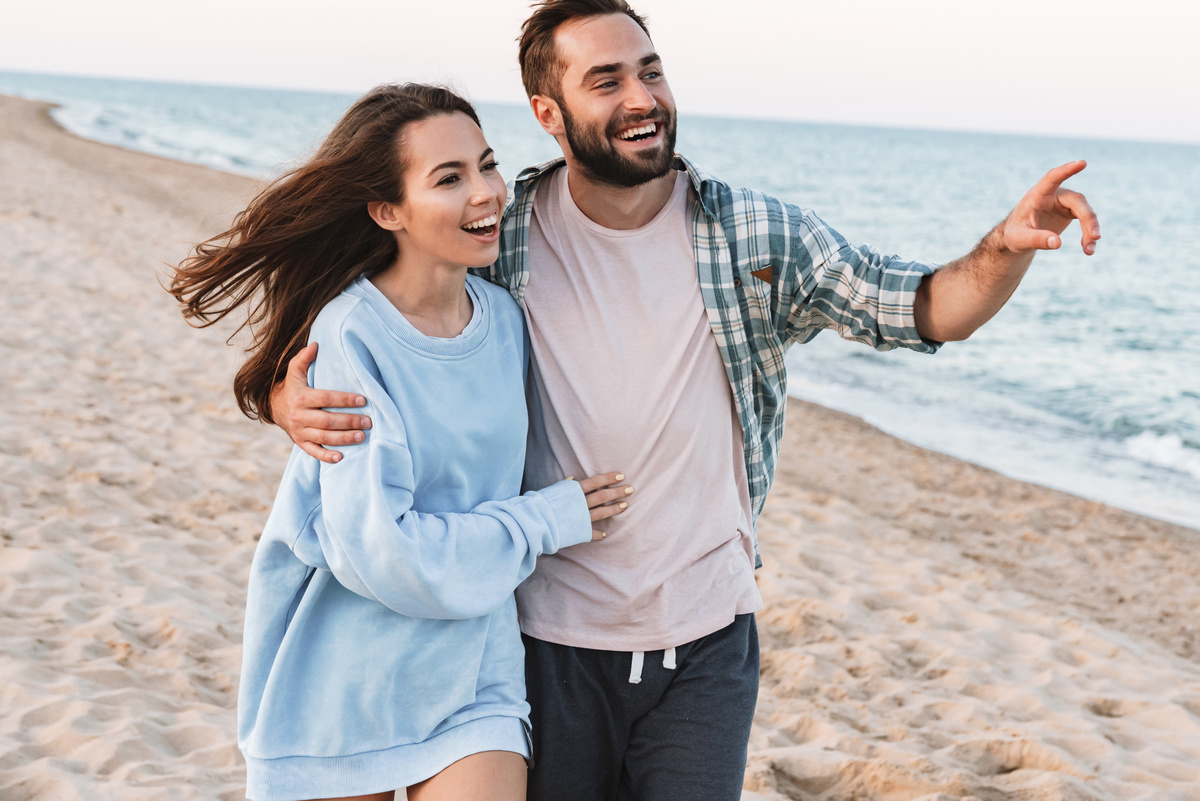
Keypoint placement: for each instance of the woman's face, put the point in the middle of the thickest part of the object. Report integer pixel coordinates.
(453, 194)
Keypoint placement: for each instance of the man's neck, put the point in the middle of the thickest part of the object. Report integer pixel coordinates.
(619, 208)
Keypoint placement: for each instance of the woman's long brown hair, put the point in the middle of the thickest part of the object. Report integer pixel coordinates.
(307, 237)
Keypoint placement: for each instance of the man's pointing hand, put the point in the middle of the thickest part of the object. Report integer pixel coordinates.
(1046, 211)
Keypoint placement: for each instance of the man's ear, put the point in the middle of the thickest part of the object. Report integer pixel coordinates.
(548, 114)
(386, 215)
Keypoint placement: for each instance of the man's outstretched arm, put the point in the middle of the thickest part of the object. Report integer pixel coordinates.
(965, 293)
(300, 411)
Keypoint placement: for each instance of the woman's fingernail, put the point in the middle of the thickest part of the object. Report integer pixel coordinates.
(623, 504)
(629, 490)
(603, 534)
(570, 478)
(620, 476)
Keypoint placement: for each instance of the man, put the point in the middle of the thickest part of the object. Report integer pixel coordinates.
(660, 302)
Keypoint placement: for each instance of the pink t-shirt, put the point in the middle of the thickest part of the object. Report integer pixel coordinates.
(626, 375)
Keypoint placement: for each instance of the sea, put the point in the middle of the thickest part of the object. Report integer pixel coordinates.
(1087, 381)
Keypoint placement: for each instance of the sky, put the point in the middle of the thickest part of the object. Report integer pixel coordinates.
(1066, 67)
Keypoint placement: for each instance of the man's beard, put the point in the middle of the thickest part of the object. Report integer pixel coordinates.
(600, 159)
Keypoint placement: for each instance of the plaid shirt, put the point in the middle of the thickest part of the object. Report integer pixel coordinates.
(771, 275)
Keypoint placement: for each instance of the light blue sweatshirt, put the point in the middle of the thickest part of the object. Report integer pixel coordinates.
(381, 639)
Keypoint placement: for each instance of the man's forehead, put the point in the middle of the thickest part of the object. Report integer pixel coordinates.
(613, 39)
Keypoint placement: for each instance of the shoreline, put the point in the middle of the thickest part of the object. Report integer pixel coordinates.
(932, 628)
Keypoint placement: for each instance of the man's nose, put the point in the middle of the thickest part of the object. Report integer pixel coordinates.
(638, 98)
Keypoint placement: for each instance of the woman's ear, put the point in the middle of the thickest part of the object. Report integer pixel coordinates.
(386, 215)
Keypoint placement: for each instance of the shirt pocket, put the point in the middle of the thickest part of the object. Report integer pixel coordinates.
(755, 284)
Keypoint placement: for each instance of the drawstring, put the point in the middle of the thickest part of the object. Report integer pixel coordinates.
(635, 669)
(639, 659)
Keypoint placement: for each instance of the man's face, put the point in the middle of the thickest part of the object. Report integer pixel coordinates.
(617, 109)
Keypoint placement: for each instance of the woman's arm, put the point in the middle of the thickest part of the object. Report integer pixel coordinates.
(440, 565)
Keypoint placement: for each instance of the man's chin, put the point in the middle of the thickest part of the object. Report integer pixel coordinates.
(623, 180)
(629, 172)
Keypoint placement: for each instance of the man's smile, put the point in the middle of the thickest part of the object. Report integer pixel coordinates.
(639, 133)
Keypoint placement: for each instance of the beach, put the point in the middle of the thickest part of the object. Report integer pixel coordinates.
(933, 630)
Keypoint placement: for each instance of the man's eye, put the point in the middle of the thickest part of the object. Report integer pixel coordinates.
(652, 75)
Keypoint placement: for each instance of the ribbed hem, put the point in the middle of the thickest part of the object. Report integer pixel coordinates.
(299, 777)
(570, 511)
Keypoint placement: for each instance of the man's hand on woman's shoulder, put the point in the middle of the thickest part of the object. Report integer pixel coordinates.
(299, 410)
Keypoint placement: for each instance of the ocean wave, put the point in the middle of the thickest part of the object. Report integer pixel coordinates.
(1165, 450)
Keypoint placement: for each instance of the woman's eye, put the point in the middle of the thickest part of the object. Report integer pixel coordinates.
(491, 165)
(449, 179)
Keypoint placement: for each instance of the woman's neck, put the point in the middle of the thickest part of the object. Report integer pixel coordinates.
(433, 298)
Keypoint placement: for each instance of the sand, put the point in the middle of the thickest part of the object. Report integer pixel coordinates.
(933, 630)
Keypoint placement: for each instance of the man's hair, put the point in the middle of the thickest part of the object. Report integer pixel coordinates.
(541, 68)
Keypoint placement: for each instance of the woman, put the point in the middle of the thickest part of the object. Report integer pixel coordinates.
(381, 645)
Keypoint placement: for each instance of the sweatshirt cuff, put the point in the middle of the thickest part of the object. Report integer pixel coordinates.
(570, 510)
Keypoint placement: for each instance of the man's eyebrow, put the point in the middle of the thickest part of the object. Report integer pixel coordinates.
(458, 165)
(601, 69)
(608, 69)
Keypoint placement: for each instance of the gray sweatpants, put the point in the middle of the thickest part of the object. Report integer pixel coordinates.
(675, 734)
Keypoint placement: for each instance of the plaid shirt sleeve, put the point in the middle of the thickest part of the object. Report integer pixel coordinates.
(863, 295)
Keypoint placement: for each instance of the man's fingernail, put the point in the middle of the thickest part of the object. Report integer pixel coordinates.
(360, 400)
(337, 457)
(358, 436)
(629, 490)
(1090, 248)
(364, 422)
(620, 476)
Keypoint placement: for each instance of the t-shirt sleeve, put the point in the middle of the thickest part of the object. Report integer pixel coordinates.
(423, 564)
(863, 295)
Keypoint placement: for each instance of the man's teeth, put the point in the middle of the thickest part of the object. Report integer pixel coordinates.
(486, 222)
(632, 132)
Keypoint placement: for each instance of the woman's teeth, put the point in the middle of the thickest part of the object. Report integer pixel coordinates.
(634, 133)
(478, 225)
